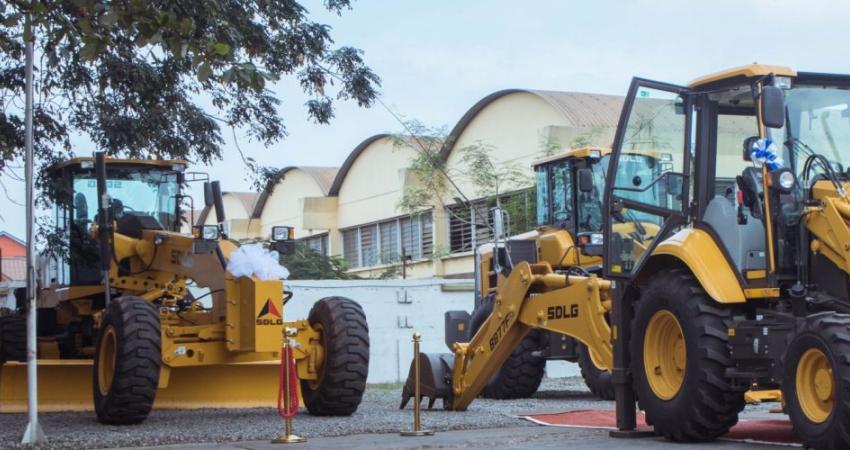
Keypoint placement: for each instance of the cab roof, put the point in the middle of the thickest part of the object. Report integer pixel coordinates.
(140, 162)
(582, 152)
(742, 72)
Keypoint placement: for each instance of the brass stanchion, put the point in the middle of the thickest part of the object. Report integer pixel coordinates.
(287, 437)
(416, 406)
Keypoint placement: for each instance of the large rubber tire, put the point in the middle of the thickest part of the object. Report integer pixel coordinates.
(127, 361)
(345, 337)
(521, 374)
(13, 338)
(828, 333)
(706, 404)
(597, 380)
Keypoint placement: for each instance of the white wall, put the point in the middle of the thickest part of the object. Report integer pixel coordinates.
(394, 310)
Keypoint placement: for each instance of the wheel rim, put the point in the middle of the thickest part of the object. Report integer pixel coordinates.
(106, 360)
(664, 355)
(596, 360)
(815, 386)
(314, 384)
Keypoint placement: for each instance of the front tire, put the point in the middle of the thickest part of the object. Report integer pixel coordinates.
(816, 381)
(520, 374)
(13, 338)
(345, 337)
(127, 361)
(680, 355)
(598, 380)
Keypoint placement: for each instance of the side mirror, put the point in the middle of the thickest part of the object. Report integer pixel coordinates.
(218, 201)
(674, 183)
(585, 180)
(772, 107)
(748, 147)
(208, 195)
(498, 222)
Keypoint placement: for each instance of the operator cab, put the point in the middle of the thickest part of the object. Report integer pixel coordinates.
(145, 194)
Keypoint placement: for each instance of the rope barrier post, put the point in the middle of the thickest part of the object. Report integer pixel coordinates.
(417, 431)
(287, 394)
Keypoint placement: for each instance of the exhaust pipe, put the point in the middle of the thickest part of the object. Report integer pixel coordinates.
(435, 379)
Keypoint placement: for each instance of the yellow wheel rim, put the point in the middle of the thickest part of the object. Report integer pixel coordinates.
(815, 386)
(106, 360)
(319, 359)
(596, 360)
(664, 355)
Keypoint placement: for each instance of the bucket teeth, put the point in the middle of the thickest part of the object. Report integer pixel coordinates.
(435, 376)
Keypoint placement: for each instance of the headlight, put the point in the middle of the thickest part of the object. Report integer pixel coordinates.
(783, 179)
(283, 233)
(786, 180)
(596, 239)
(210, 232)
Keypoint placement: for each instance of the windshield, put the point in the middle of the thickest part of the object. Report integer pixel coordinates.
(152, 192)
(638, 171)
(818, 118)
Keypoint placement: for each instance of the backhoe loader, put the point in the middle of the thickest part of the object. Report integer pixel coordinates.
(744, 288)
(569, 192)
(138, 315)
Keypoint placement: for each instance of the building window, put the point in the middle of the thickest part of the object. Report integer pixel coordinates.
(317, 243)
(385, 242)
(522, 216)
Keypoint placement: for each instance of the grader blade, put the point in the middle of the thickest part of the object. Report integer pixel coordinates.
(66, 385)
(435, 375)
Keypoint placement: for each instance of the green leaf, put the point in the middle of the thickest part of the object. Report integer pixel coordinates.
(221, 48)
(12, 20)
(204, 72)
(89, 51)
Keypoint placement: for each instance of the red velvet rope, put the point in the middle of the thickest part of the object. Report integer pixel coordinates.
(286, 357)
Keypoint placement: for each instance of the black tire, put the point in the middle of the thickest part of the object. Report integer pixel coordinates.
(830, 333)
(521, 374)
(345, 337)
(706, 405)
(13, 338)
(132, 325)
(597, 380)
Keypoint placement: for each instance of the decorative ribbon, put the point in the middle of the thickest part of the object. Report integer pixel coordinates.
(765, 151)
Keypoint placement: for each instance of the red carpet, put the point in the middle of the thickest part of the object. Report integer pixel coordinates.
(760, 431)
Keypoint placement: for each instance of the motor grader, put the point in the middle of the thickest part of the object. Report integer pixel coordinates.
(569, 193)
(743, 291)
(138, 315)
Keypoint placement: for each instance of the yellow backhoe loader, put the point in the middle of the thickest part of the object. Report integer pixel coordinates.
(138, 315)
(569, 192)
(743, 290)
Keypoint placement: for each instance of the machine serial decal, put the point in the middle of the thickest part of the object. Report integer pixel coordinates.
(500, 331)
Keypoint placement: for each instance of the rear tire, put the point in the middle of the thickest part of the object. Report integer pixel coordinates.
(690, 399)
(127, 361)
(345, 337)
(13, 338)
(597, 380)
(522, 372)
(819, 405)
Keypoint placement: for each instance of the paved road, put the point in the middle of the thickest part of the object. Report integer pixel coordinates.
(503, 438)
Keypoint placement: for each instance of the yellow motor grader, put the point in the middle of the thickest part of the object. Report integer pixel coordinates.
(570, 186)
(137, 315)
(743, 292)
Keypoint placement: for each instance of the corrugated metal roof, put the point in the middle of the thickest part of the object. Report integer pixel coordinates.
(583, 109)
(14, 269)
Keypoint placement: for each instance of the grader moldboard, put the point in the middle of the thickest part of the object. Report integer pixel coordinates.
(118, 322)
(741, 290)
(569, 237)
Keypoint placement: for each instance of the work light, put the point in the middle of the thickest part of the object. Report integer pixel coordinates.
(210, 232)
(283, 233)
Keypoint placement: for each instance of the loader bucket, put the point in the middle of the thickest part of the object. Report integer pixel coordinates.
(435, 379)
(66, 385)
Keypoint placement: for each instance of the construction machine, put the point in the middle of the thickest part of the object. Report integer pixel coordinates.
(569, 193)
(138, 315)
(743, 291)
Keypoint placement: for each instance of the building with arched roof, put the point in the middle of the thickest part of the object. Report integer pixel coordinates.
(238, 207)
(354, 211)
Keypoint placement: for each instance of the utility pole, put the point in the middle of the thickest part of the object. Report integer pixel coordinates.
(33, 433)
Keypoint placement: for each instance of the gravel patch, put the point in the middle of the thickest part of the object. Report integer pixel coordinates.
(378, 413)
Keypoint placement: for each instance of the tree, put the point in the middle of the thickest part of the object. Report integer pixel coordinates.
(304, 263)
(131, 75)
(435, 182)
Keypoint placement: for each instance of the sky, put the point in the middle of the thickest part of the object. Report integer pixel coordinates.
(436, 58)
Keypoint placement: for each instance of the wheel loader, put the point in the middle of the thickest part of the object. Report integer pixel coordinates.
(570, 186)
(138, 315)
(743, 291)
